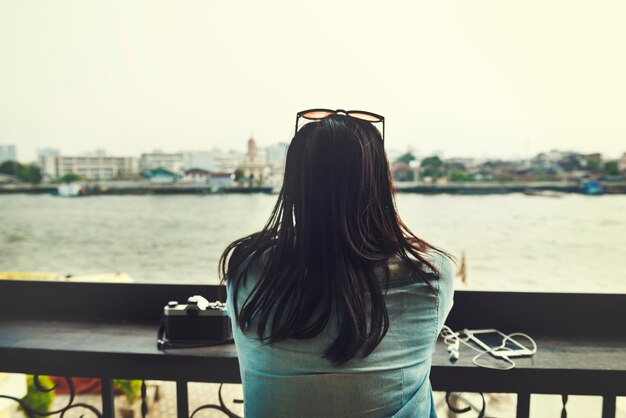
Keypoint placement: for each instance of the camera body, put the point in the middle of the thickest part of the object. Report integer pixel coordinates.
(198, 320)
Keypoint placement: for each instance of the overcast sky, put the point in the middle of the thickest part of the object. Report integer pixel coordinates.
(468, 78)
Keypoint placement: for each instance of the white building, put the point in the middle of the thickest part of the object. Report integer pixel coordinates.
(549, 161)
(43, 152)
(88, 166)
(170, 162)
(254, 167)
(47, 163)
(196, 176)
(227, 161)
(213, 161)
(203, 160)
(7, 153)
(276, 155)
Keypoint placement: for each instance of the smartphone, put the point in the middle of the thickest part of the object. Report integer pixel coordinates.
(491, 340)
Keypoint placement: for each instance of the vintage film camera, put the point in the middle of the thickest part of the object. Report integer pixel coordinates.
(196, 323)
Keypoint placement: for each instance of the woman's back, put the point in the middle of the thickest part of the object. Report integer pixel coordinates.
(336, 304)
(292, 378)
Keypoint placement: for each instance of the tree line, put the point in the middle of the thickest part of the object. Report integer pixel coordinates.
(28, 173)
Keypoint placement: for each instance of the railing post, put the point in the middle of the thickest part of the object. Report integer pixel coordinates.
(182, 400)
(144, 404)
(106, 389)
(523, 405)
(608, 406)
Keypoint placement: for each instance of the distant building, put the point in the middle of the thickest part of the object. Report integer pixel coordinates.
(49, 167)
(595, 158)
(45, 160)
(402, 172)
(621, 164)
(7, 153)
(460, 163)
(547, 161)
(204, 160)
(6, 179)
(254, 167)
(170, 162)
(227, 161)
(89, 166)
(221, 180)
(275, 155)
(213, 161)
(44, 152)
(160, 175)
(196, 175)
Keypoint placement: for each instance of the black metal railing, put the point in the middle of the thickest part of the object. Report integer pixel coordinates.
(109, 331)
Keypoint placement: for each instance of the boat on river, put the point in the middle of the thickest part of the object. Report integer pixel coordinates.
(593, 187)
(71, 190)
(543, 193)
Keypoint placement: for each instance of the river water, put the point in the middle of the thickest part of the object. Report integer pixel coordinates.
(511, 242)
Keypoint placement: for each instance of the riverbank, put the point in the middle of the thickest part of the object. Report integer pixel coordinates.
(459, 188)
(484, 188)
(96, 189)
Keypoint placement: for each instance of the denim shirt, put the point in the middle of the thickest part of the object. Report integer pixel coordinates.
(292, 379)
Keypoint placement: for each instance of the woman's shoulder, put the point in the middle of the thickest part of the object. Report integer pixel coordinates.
(247, 257)
(402, 272)
(443, 263)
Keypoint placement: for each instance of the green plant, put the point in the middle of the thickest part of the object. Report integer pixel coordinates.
(456, 175)
(611, 168)
(70, 177)
(239, 176)
(36, 398)
(10, 167)
(129, 388)
(29, 173)
(432, 167)
(539, 176)
(406, 158)
(503, 178)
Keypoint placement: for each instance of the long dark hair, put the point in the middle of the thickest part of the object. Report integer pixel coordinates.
(335, 221)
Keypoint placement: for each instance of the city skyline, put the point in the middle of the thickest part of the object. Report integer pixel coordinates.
(392, 154)
(490, 79)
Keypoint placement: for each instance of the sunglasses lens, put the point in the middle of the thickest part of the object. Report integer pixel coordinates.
(365, 116)
(317, 114)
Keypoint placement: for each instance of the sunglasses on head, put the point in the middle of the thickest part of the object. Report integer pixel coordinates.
(318, 114)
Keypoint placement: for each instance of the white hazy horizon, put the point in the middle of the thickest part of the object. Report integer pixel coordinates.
(482, 79)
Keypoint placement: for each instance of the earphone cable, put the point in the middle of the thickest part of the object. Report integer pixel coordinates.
(453, 340)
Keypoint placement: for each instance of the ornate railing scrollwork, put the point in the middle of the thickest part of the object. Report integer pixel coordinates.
(483, 409)
(469, 407)
(221, 407)
(564, 399)
(33, 413)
